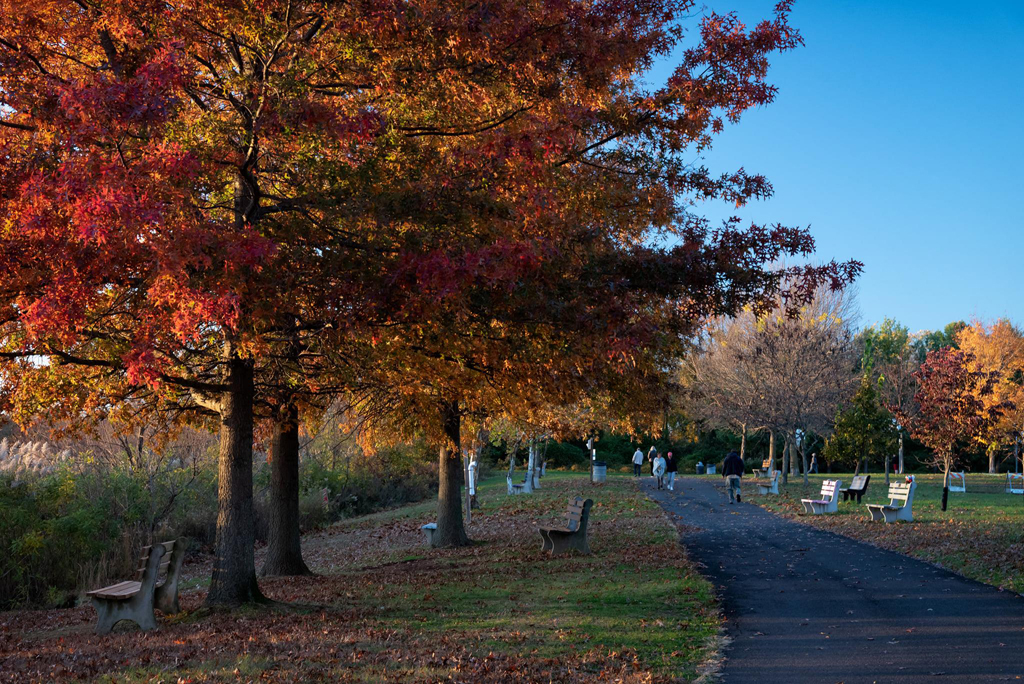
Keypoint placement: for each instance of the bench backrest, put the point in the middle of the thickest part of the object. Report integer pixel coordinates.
(828, 488)
(577, 512)
(1015, 479)
(956, 479)
(860, 482)
(165, 560)
(766, 464)
(899, 491)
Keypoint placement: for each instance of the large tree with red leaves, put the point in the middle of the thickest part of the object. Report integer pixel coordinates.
(951, 407)
(229, 211)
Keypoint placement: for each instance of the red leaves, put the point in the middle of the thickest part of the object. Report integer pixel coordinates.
(950, 397)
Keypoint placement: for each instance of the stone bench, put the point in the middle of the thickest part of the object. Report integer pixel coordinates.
(829, 501)
(573, 534)
(900, 506)
(768, 485)
(857, 488)
(135, 599)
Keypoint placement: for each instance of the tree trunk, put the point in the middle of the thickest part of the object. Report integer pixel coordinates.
(531, 464)
(743, 440)
(284, 547)
(785, 461)
(888, 467)
(771, 451)
(992, 461)
(945, 488)
(234, 571)
(450, 529)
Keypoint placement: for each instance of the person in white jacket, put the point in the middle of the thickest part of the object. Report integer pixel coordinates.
(659, 469)
(638, 461)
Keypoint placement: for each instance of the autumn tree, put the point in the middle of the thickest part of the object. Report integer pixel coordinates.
(952, 409)
(998, 350)
(186, 188)
(787, 370)
(723, 383)
(231, 213)
(809, 367)
(516, 269)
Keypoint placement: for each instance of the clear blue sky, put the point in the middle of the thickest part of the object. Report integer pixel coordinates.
(898, 136)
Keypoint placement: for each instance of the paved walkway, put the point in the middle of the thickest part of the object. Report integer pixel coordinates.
(805, 605)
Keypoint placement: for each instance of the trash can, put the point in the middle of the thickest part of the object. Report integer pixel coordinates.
(700, 468)
(600, 471)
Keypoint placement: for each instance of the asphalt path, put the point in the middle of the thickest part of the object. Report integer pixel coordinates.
(806, 605)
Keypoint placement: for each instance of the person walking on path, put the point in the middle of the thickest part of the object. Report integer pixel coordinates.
(670, 471)
(651, 454)
(659, 469)
(638, 461)
(732, 471)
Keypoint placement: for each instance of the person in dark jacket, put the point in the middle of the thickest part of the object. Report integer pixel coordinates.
(671, 467)
(732, 471)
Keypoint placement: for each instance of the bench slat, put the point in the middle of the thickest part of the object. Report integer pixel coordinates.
(121, 590)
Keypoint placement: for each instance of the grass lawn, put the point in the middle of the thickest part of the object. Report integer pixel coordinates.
(980, 535)
(384, 607)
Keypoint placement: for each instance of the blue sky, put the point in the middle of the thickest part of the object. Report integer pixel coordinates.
(898, 136)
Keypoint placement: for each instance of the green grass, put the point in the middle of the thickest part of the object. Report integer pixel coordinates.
(635, 593)
(980, 535)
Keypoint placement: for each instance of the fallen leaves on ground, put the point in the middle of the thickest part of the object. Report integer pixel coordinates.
(378, 611)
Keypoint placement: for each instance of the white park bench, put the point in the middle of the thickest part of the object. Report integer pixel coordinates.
(765, 469)
(1015, 483)
(957, 482)
(900, 506)
(768, 485)
(829, 501)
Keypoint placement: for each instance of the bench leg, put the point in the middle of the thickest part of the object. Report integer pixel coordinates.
(564, 542)
(546, 544)
(138, 609)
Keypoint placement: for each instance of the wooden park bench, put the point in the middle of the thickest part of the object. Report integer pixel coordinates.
(900, 506)
(764, 470)
(957, 482)
(135, 600)
(829, 501)
(857, 488)
(572, 535)
(768, 485)
(1015, 483)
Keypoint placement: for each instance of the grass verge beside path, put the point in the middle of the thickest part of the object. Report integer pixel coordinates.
(385, 608)
(980, 536)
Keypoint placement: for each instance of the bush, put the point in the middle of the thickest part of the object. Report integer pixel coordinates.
(75, 526)
(52, 531)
